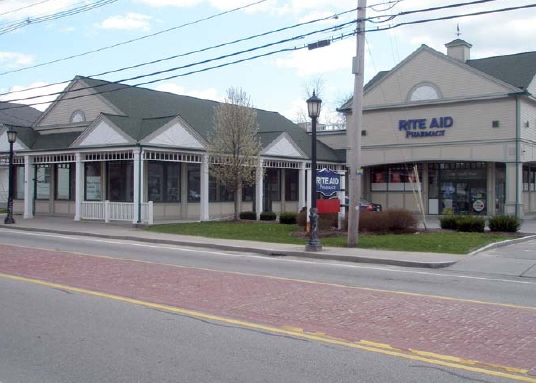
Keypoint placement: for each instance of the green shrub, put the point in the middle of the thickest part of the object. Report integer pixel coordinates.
(387, 221)
(469, 223)
(328, 221)
(248, 215)
(448, 222)
(375, 222)
(268, 216)
(301, 218)
(505, 223)
(401, 220)
(287, 218)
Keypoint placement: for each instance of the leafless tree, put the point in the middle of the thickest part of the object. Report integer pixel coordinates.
(234, 144)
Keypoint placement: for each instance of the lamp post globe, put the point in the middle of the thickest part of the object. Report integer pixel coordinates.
(313, 108)
(11, 138)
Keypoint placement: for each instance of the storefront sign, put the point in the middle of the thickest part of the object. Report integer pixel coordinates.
(435, 127)
(93, 188)
(478, 205)
(328, 182)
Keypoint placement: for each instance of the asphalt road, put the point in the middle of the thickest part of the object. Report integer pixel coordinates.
(471, 279)
(52, 334)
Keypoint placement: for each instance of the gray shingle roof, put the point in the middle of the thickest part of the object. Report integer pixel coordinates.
(517, 69)
(17, 114)
(55, 141)
(26, 135)
(147, 110)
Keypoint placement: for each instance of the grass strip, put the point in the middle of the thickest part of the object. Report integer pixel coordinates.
(433, 241)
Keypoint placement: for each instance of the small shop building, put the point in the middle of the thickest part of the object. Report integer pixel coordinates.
(110, 151)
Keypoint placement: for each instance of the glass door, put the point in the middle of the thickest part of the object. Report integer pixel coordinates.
(477, 190)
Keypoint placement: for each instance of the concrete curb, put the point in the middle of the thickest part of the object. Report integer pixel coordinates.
(267, 252)
(502, 244)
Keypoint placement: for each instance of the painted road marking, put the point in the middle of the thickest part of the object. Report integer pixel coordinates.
(421, 356)
(272, 259)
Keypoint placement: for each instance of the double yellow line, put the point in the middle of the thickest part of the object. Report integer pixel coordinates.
(416, 355)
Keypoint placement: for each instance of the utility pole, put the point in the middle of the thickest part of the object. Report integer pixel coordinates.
(354, 129)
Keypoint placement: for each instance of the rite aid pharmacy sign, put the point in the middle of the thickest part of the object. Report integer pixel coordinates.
(328, 182)
(423, 127)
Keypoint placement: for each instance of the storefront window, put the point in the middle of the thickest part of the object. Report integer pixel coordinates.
(273, 184)
(42, 174)
(65, 182)
(194, 183)
(462, 188)
(219, 193)
(93, 182)
(19, 182)
(500, 187)
(163, 182)
(120, 181)
(291, 184)
(400, 177)
(525, 178)
(379, 178)
(248, 193)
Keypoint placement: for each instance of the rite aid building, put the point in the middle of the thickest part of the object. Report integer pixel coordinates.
(468, 125)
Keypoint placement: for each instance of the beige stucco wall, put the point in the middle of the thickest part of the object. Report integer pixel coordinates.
(454, 79)
(472, 121)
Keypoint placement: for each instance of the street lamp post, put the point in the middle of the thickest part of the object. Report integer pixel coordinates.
(313, 108)
(11, 137)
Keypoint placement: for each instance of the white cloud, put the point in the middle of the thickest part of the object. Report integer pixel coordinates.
(132, 21)
(307, 62)
(14, 59)
(206, 94)
(170, 3)
(25, 92)
(21, 9)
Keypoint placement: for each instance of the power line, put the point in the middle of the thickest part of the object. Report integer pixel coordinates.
(299, 37)
(192, 52)
(341, 37)
(224, 44)
(70, 12)
(26, 7)
(431, 9)
(378, 29)
(134, 40)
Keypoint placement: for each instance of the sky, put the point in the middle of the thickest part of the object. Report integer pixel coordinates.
(45, 43)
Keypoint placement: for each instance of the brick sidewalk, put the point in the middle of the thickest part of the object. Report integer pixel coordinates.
(487, 333)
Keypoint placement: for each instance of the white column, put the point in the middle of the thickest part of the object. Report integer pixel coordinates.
(79, 187)
(259, 190)
(137, 186)
(28, 187)
(204, 178)
(301, 187)
(514, 189)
